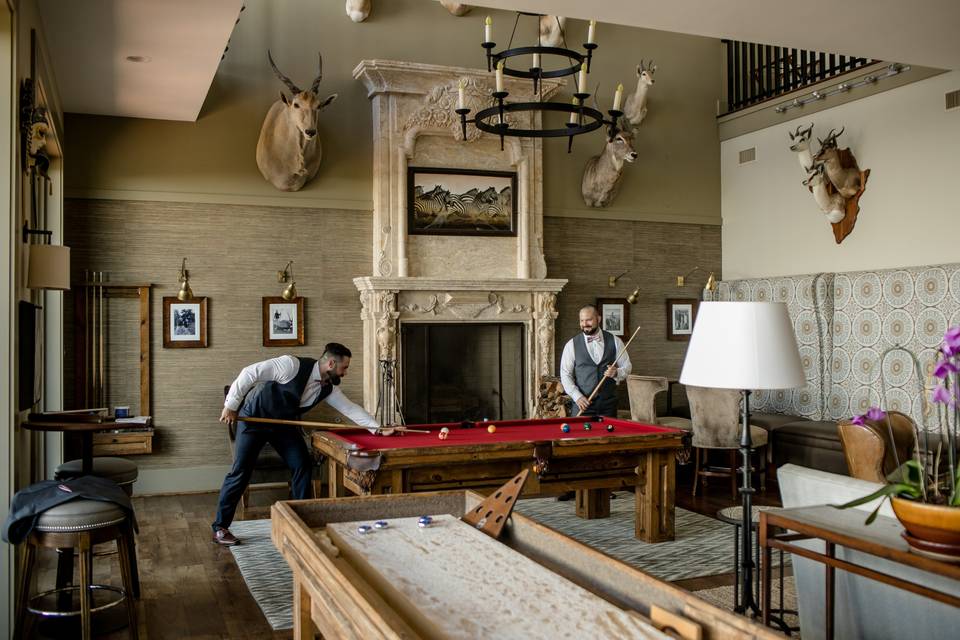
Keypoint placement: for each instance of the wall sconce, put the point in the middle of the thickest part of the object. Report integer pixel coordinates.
(711, 284)
(49, 266)
(612, 280)
(634, 297)
(290, 291)
(185, 292)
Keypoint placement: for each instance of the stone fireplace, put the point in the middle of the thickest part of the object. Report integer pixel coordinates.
(451, 279)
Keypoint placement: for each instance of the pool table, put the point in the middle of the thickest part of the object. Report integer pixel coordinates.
(351, 586)
(590, 462)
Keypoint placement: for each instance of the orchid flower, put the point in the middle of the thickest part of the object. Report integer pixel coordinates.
(858, 420)
(876, 414)
(941, 395)
(944, 368)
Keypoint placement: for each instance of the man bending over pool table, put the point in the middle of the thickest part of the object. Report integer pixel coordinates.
(283, 388)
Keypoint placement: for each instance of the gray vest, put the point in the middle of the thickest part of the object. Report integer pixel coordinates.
(587, 374)
(282, 401)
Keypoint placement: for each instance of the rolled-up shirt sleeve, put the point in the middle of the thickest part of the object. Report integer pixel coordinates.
(281, 369)
(354, 412)
(566, 372)
(624, 366)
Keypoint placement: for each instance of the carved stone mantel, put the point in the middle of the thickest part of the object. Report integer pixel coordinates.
(430, 278)
(389, 302)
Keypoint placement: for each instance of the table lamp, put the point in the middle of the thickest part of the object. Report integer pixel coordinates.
(745, 346)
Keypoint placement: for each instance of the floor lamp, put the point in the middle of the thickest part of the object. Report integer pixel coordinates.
(744, 346)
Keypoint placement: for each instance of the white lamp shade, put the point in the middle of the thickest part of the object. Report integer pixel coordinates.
(743, 345)
(49, 267)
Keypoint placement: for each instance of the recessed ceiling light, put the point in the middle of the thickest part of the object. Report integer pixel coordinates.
(138, 58)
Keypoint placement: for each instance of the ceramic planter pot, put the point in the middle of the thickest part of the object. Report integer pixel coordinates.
(931, 529)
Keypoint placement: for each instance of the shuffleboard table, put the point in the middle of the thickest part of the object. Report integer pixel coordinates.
(593, 457)
(449, 580)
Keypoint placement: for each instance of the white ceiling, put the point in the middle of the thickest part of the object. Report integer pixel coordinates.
(89, 40)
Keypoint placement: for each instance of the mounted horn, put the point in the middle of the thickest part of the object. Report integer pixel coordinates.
(316, 82)
(284, 79)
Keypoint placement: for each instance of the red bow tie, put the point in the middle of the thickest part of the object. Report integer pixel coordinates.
(595, 338)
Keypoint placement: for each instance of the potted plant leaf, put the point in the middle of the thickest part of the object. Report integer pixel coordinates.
(924, 491)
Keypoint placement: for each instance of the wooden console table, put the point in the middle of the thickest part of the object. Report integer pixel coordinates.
(845, 528)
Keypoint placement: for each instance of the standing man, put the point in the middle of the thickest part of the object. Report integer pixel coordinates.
(589, 357)
(283, 388)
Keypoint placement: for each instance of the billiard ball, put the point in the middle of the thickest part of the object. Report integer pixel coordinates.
(492, 429)
(587, 426)
(565, 428)
(444, 433)
(609, 427)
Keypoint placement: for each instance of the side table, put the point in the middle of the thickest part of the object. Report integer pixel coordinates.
(734, 516)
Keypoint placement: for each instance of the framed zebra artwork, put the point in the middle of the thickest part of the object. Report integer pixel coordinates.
(464, 202)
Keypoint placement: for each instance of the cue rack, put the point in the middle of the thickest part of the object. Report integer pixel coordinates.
(91, 338)
(388, 402)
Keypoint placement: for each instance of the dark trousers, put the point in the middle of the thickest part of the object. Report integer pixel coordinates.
(599, 407)
(250, 440)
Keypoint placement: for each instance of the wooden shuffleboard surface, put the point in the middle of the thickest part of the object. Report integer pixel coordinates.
(451, 581)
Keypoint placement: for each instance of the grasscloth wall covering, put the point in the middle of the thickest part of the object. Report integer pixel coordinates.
(850, 320)
(587, 251)
(234, 252)
(233, 255)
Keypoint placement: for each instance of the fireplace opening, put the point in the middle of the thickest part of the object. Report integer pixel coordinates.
(463, 371)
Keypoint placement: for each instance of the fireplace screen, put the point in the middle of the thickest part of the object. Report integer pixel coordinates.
(454, 372)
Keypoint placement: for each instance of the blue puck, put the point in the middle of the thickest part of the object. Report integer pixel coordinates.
(380, 524)
(364, 528)
(424, 521)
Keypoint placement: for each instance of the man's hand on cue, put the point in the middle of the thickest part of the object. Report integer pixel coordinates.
(228, 416)
(611, 371)
(385, 431)
(583, 403)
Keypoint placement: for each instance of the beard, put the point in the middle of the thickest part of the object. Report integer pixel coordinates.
(590, 332)
(333, 378)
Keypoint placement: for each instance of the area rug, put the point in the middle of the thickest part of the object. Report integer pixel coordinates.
(703, 547)
(723, 598)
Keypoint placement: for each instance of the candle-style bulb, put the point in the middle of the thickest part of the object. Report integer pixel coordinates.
(500, 77)
(536, 61)
(460, 94)
(591, 32)
(582, 80)
(488, 30)
(618, 97)
(573, 114)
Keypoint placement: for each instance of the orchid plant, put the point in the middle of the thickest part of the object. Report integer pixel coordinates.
(921, 478)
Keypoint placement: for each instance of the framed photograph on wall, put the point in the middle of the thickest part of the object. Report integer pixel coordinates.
(283, 322)
(614, 315)
(184, 323)
(681, 312)
(462, 202)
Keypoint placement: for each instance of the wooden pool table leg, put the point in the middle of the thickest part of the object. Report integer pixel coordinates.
(593, 503)
(655, 496)
(303, 627)
(335, 479)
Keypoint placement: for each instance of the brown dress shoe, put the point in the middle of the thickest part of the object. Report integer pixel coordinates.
(225, 538)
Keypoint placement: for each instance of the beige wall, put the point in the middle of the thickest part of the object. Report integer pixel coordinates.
(147, 193)
(212, 160)
(908, 213)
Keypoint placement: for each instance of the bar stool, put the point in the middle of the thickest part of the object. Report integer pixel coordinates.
(120, 470)
(78, 524)
(124, 473)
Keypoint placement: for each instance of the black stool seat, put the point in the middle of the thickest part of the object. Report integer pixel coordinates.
(120, 470)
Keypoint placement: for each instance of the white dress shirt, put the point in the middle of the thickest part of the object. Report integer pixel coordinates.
(283, 370)
(595, 349)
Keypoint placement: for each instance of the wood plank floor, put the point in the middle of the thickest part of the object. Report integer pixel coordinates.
(192, 589)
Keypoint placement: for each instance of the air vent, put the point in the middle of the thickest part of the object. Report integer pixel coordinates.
(953, 99)
(748, 155)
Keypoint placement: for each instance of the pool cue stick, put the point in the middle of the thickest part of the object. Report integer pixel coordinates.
(603, 378)
(319, 426)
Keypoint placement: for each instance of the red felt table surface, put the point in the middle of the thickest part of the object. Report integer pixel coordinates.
(507, 431)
